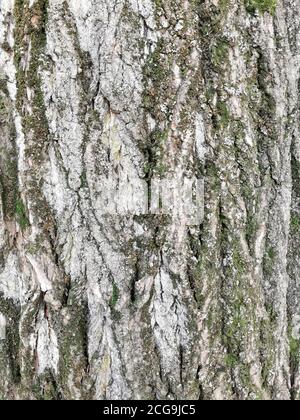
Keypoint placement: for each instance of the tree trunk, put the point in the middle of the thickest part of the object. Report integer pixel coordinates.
(108, 289)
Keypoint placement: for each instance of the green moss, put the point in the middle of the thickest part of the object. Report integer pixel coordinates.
(157, 74)
(113, 302)
(158, 3)
(262, 6)
(9, 354)
(155, 68)
(239, 262)
(294, 347)
(8, 160)
(223, 116)
(269, 259)
(236, 327)
(3, 108)
(45, 388)
(296, 174)
(21, 216)
(83, 180)
(30, 30)
(220, 53)
(238, 310)
(224, 5)
(295, 223)
(271, 253)
(3, 85)
(131, 17)
(115, 296)
(154, 153)
(74, 359)
(267, 345)
(31, 21)
(251, 228)
(230, 361)
(294, 351)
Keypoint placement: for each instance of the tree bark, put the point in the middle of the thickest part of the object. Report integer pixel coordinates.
(99, 99)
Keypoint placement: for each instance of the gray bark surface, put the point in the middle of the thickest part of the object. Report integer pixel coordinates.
(99, 96)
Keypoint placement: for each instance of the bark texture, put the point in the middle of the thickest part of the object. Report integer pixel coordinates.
(107, 306)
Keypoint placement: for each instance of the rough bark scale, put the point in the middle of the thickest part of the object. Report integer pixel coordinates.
(96, 306)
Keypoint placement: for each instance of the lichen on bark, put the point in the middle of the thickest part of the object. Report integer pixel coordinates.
(98, 100)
